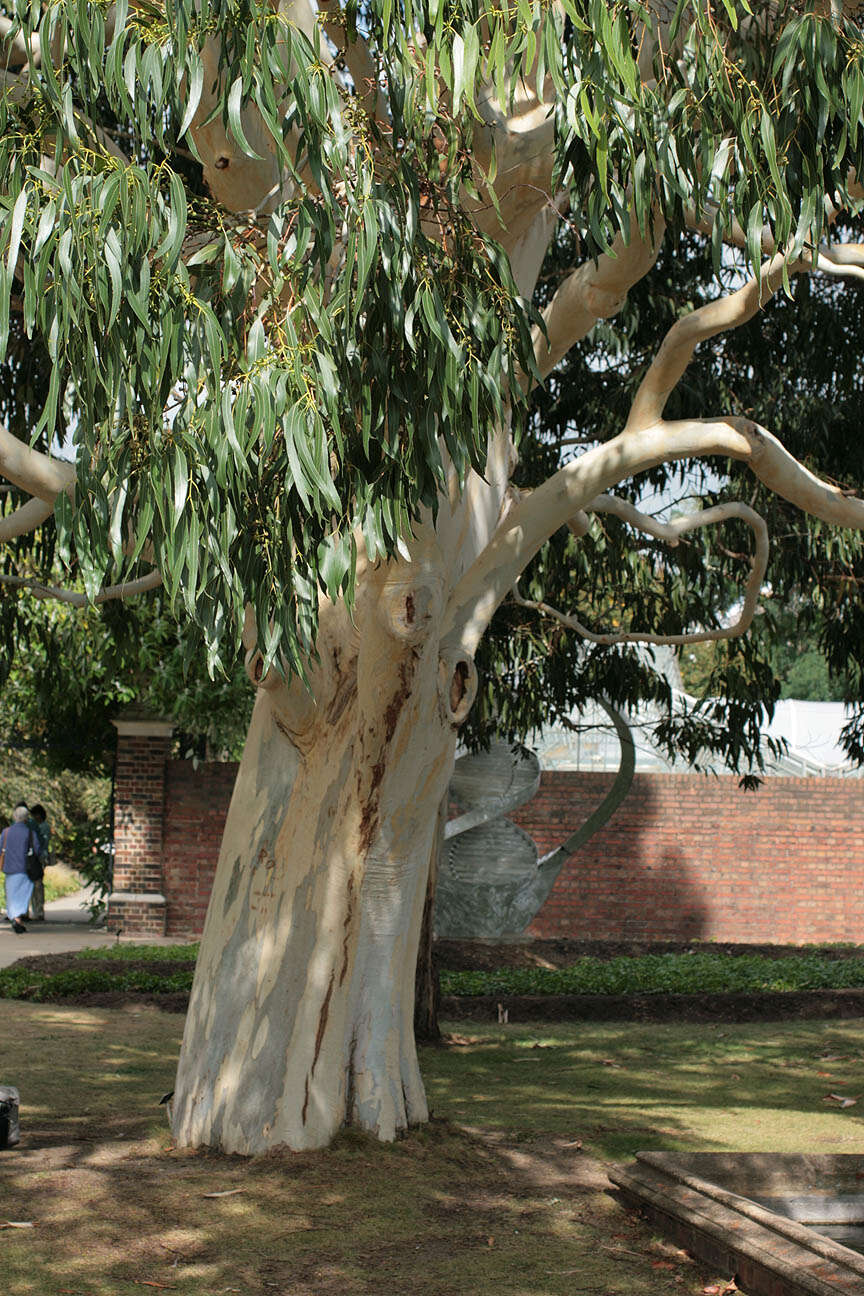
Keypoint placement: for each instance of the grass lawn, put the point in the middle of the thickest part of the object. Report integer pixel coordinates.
(504, 1192)
(622, 1087)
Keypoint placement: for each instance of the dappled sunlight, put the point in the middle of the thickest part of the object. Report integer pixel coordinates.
(623, 1086)
(509, 1200)
(77, 1019)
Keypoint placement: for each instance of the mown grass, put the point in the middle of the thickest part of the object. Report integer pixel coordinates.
(455, 1209)
(621, 1087)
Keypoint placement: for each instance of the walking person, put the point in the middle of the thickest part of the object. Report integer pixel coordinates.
(17, 842)
(38, 822)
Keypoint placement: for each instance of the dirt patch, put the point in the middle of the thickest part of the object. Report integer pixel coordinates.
(715, 1007)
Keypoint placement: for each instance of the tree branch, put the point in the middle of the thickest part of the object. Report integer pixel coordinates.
(36, 473)
(676, 350)
(20, 50)
(842, 259)
(646, 441)
(357, 59)
(128, 589)
(672, 532)
(596, 290)
(24, 519)
(533, 518)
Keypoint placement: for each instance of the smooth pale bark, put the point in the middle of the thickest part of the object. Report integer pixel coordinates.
(301, 1015)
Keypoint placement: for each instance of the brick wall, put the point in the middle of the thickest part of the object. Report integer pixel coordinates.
(685, 857)
(196, 803)
(136, 904)
(692, 857)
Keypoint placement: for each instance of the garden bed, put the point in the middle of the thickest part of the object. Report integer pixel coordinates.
(714, 1006)
(532, 981)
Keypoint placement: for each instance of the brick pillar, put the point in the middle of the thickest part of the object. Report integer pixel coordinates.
(137, 904)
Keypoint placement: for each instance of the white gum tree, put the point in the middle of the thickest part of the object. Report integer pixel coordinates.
(293, 395)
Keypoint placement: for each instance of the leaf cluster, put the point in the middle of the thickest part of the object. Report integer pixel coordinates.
(246, 396)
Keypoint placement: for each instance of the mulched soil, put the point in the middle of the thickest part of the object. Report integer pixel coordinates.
(170, 1000)
(732, 1007)
(483, 955)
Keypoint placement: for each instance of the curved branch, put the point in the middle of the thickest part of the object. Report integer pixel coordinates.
(24, 519)
(38, 474)
(671, 532)
(646, 441)
(845, 253)
(533, 518)
(596, 290)
(842, 259)
(128, 589)
(676, 350)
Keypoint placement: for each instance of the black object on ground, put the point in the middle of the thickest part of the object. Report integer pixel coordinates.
(10, 1130)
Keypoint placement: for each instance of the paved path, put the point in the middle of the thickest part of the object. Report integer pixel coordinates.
(66, 928)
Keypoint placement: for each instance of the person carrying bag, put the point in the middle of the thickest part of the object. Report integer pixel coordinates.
(20, 853)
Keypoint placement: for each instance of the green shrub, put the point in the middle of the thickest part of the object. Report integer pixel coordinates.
(29, 983)
(690, 973)
(699, 971)
(142, 953)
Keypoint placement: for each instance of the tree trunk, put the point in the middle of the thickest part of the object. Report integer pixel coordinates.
(301, 1014)
(427, 981)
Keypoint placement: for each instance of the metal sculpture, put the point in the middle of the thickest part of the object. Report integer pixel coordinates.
(492, 881)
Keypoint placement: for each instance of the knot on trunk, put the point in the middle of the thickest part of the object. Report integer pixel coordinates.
(254, 663)
(410, 607)
(457, 684)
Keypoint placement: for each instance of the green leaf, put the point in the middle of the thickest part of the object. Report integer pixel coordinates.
(16, 227)
(235, 124)
(113, 256)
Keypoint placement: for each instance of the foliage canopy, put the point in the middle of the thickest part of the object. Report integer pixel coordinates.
(249, 393)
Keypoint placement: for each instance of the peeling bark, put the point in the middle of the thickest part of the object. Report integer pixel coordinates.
(301, 1015)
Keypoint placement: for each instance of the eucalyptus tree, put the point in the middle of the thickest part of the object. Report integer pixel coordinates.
(809, 620)
(294, 398)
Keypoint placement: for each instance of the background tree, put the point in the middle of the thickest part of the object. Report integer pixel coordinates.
(57, 740)
(798, 645)
(295, 399)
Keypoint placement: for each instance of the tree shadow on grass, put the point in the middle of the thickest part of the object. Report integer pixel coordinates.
(442, 1212)
(622, 1087)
